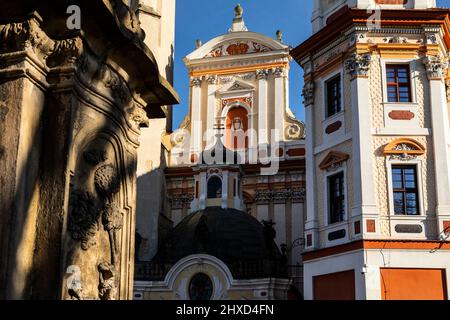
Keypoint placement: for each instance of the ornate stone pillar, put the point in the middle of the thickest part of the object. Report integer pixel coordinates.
(211, 109)
(263, 124)
(68, 211)
(311, 223)
(362, 154)
(280, 75)
(196, 110)
(436, 67)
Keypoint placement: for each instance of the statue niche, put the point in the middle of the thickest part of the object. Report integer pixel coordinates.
(95, 222)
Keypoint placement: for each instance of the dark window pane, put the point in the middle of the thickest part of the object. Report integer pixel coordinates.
(405, 190)
(333, 87)
(399, 87)
(336, 198)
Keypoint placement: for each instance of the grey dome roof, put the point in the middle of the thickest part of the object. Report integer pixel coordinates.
(227, 234)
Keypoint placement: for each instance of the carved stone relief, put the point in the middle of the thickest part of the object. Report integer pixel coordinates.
(96, 220)
(358, 65)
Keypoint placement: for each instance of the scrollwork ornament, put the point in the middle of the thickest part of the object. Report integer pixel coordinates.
(137, 116)
(279, 72)
(212, 79)
(436, 66)
(358, 65)
(308, 93)
(262, 74)
(196, 81)
(294, 132)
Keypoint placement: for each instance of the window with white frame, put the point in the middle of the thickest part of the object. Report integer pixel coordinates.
(336, 198)
(405, 190)
(333, 96)
(398, 82)
(404, 176)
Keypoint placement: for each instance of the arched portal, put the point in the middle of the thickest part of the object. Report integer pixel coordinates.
(214, 188)
(236, 127)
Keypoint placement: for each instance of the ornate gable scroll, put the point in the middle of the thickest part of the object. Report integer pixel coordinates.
(404, 149)
(333, 160)
(236, 48)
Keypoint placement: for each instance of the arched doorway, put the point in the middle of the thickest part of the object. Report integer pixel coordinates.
(214, 188)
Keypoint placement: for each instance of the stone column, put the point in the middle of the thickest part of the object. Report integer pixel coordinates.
(311, 223)
(263, 125)
(436, 68)
(22, 106)
(211, 109)
(362, 153)
(196, 111)
(280, 103)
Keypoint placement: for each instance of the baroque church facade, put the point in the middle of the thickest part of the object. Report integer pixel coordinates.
(375, 158)
(235, 178)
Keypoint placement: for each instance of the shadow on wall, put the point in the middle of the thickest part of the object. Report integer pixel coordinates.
(152, 222)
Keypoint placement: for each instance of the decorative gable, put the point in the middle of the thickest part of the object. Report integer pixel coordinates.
(404, 147)
(237, 48)
(236, 86)
(333, 160)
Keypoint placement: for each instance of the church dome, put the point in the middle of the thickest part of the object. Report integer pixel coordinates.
(233, 236)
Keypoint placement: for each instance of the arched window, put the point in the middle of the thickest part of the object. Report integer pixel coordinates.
(200, 288)
(214, 188)
(236, 128)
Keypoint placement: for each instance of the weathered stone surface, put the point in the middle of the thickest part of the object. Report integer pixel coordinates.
(72, 104)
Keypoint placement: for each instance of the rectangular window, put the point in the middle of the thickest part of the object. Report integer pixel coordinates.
(336, 196)
(406, 196)
(333, 93)
(398, 83)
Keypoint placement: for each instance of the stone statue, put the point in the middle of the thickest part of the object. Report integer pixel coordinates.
(239, 11)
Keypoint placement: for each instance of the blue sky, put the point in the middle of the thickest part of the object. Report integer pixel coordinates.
(206, 19)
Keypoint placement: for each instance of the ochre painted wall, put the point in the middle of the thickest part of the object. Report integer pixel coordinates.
(413, 284)
(335, 286)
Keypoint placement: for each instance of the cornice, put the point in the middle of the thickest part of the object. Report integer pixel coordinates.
(393, 21)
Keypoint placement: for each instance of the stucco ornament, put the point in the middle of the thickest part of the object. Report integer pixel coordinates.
(358, 65)
(83, 218)
(436, 66)
(308, 93)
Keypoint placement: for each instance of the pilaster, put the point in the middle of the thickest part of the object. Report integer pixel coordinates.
(436, 67)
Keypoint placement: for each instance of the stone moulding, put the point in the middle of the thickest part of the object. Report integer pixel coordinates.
(401, 115)
(333, 160)
(404, 146)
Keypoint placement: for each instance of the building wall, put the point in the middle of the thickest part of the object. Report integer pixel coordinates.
(158, 22)
(367, 265)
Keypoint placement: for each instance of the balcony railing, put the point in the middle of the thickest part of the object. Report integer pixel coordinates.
(257, 269)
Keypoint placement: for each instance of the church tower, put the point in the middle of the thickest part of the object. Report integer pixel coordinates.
(378, 157)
